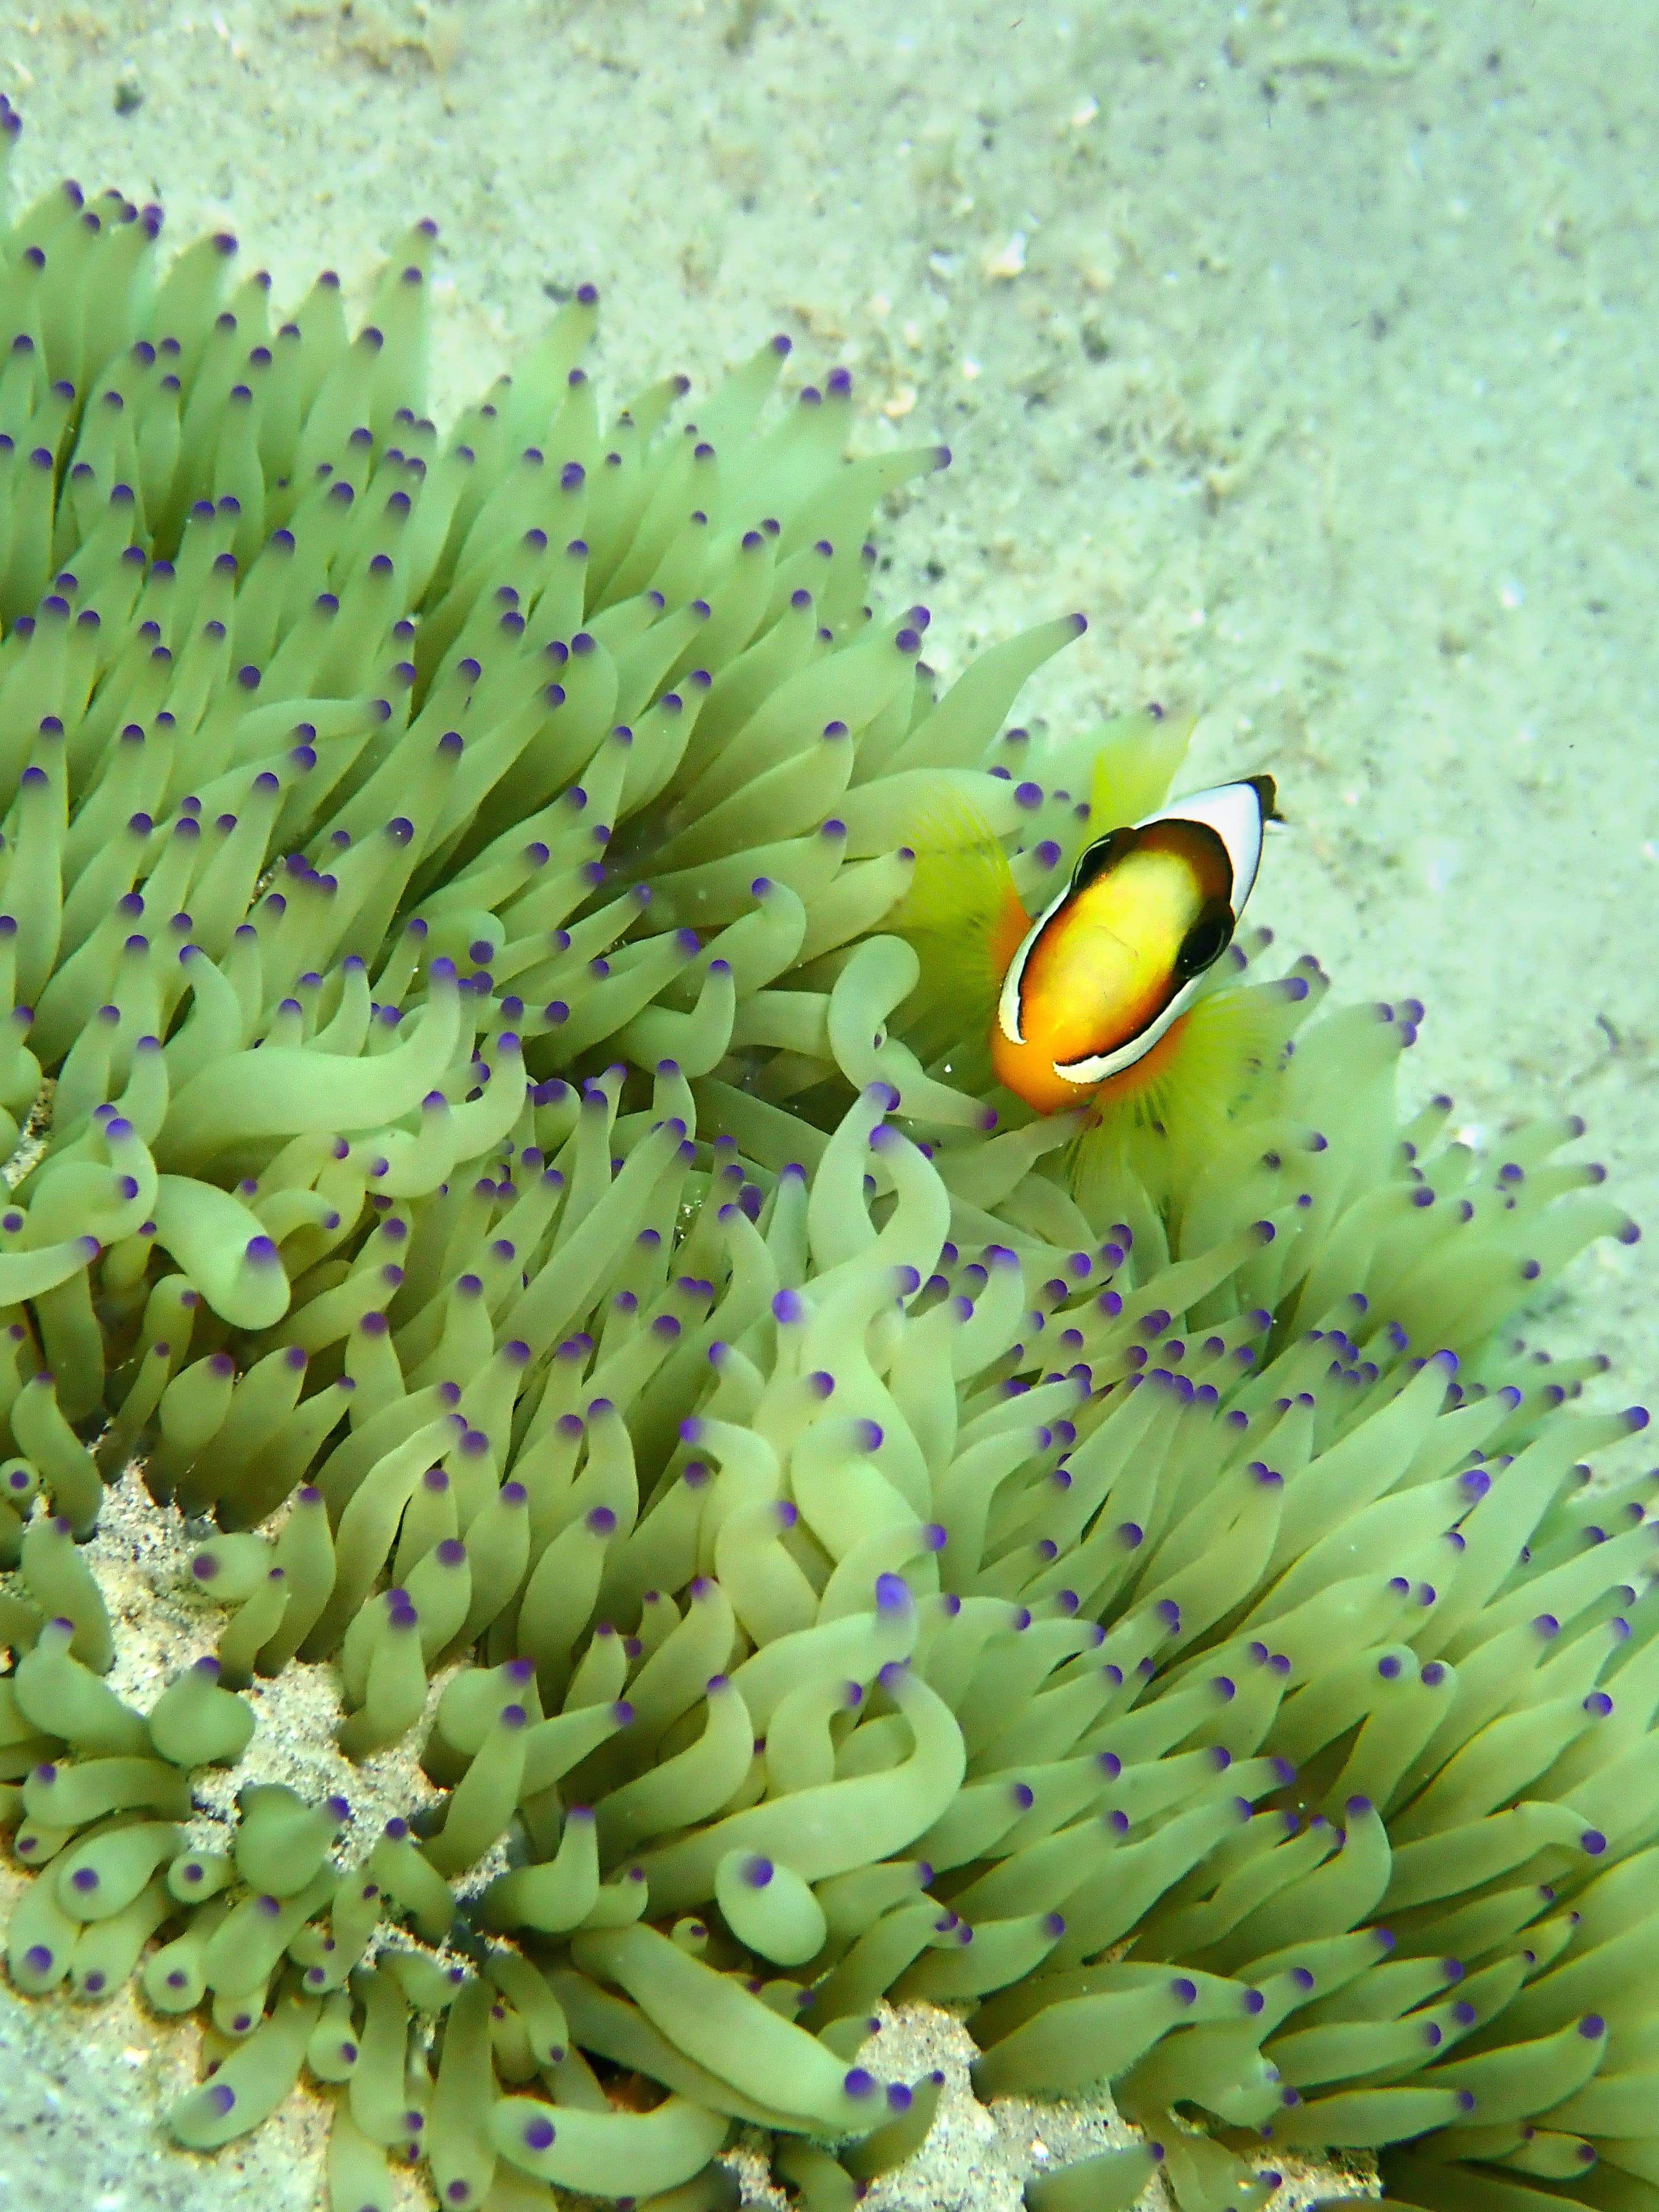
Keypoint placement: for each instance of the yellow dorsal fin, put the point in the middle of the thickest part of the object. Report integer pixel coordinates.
(1139, 758)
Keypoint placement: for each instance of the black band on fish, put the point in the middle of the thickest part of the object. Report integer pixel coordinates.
(1207, 939)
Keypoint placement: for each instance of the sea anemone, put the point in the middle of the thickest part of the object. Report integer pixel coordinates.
(475, 1139)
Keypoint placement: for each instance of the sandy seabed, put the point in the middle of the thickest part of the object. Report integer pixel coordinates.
(1306, 348)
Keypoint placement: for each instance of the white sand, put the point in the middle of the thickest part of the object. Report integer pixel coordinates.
(1306, 348)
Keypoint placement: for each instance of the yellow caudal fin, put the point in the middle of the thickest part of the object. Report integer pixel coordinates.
(1138, 758)
(1164, 1115)
(964, 917)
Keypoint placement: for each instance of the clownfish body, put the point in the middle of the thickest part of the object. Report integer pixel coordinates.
(1106, 971)
(1108, 999)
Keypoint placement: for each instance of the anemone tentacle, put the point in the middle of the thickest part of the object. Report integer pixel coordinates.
(477, 1133)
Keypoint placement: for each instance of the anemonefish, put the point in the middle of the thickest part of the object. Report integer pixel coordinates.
(1097, 1001)
(1108, 969)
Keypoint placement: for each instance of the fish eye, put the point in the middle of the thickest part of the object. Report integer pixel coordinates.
(1105, 853)
(1207, 939)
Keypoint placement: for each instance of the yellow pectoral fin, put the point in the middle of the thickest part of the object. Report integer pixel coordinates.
(1182, 1092)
